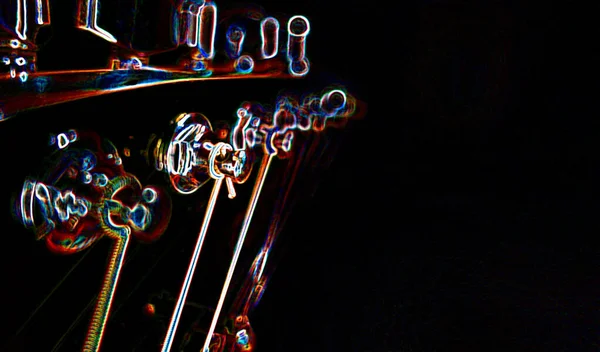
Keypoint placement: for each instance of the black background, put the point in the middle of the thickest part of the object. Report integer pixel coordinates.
(459, 215)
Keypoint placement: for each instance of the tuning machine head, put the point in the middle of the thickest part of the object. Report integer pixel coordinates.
(86, 194)
(195, 154)
(274, 130)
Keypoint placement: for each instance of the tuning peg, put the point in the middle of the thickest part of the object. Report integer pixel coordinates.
(298, 29)
(244, 64)
(71, 213)
(195, 154)
(269, 34)
(286, 118)
(333, 102)
(283, 141)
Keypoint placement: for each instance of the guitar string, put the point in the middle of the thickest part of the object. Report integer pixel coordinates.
(262, 173)
(87, 307)
(169, 337)
(54, 289)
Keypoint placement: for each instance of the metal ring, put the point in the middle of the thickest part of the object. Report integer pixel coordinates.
(212, 170)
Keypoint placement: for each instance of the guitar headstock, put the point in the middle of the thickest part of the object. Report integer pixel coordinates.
(87, 195)
(189, 41)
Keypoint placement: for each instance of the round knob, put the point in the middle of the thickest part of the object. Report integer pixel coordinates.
(333, 101)
(195, 154)
(184, 157)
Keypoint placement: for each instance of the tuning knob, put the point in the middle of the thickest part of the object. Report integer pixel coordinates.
(255, 129)
(333, 104)
(298, 29)
(285, 118)
(195, 154)
(259, 128)
(333, 101)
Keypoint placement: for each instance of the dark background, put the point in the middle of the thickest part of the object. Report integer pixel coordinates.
(460, 214)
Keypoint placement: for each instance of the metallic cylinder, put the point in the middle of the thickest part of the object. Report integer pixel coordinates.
(235, 41)
(298, 29)
(208, 26)
(269, 34)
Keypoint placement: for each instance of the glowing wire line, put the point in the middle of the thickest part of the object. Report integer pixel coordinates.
(102, 310)
(168, 342)
(53, 290)
(134, 289)
(262, 173)
(12, 106)
(274, 228)
(73, 325)
(84, 310)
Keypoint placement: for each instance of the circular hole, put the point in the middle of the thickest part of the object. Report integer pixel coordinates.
(149, 195)
(299, 68)
(245, 64)
(298, 26)
(223, 133)
(333, 101)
